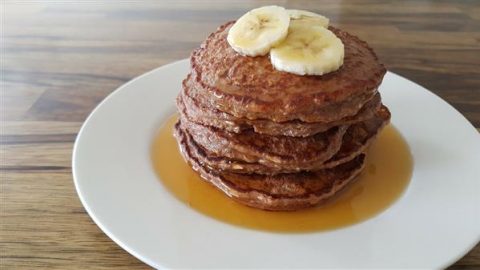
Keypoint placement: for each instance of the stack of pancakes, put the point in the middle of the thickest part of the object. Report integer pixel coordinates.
(276, 140)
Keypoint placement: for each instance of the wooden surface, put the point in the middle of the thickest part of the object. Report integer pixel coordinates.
(59, 60)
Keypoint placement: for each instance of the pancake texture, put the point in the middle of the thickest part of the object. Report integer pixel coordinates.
(202, 114)
(275, 140)
(279, 192)
(250, 87)
(355, 142)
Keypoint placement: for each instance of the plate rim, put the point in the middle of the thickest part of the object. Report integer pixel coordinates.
(75, 173)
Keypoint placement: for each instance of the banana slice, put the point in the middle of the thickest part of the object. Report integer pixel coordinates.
(256, 32)
(308, 17)
(308, 50)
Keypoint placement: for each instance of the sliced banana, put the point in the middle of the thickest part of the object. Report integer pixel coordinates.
(308, 50)
(256, 32)
(308, 17)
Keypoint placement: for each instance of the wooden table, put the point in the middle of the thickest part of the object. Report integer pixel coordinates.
(59, 60)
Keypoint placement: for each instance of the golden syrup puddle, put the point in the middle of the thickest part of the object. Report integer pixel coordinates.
(386, 176)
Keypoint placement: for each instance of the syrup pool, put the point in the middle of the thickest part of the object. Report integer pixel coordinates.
(387, 173)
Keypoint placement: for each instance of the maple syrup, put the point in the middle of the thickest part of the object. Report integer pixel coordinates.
(386, 175)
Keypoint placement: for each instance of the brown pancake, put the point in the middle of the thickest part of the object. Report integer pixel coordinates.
(282, 152)
(359, 137)
(355, 142)
(281, 192)
(249, 87)
(204, 115)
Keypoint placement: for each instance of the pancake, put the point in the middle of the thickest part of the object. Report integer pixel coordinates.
(201, 114)
(355, 142)
(249, 87)
(280, 192)
(289, 153)
(276, 140)
(358, 137)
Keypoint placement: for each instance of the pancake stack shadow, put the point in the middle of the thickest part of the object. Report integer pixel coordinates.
(275, 140)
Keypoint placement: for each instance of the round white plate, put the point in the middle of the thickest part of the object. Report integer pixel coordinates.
(435, 222)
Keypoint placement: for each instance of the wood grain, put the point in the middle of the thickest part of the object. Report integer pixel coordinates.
(60, 59)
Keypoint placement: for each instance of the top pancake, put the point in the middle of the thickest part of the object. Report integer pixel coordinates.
(250, 87)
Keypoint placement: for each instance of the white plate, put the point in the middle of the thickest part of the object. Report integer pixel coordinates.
(435, 222)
